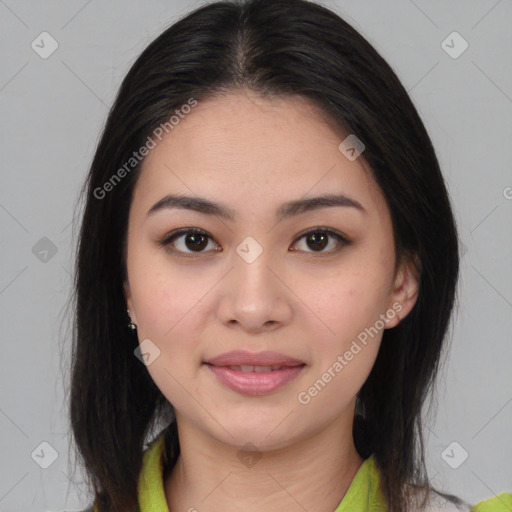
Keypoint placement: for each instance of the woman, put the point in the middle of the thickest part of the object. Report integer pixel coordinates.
(266, 273)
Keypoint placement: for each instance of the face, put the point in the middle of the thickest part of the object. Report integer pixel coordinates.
(256, 281)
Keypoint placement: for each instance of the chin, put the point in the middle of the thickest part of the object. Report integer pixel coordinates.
(262, 434)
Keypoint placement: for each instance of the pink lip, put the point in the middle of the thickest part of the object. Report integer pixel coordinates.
(266, 358)
(255, 383)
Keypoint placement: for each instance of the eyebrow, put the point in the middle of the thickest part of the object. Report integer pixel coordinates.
(286, 210)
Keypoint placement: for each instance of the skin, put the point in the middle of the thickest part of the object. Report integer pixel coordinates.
(253, 154)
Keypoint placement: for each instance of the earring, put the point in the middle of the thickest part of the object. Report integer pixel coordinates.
(131, 325)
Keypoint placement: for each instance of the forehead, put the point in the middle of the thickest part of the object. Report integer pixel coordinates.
(250, 152)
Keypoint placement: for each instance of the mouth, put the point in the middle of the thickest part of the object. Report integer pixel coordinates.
(251, 373)
(254, 380)
(246, 361)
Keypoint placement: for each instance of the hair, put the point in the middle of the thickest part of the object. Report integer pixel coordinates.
(275, 48)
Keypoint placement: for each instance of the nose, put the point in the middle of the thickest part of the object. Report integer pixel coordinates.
(254, 297)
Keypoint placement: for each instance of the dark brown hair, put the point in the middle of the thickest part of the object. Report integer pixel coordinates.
(272, 47)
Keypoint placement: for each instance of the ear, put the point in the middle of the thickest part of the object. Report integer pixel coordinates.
(405, 289)
(129, 302)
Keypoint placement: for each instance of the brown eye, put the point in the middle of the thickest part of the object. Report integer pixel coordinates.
(196, 241)
(317, 239)
(193, 240)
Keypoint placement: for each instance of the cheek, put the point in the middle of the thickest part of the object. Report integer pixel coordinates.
(348, 300)
(165, 295)
(169, 312)
(344, 354)
(349, 303)
(353, 334)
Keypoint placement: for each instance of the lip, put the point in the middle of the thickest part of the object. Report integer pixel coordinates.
(254, 383)
(265, 358)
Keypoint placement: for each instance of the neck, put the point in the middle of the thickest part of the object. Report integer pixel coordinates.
(311, 474)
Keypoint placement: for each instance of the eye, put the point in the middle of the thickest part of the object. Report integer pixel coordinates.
(318, 239)
(192, 238)
(196, 240)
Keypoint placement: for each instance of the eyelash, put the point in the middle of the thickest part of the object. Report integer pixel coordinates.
(166, 241)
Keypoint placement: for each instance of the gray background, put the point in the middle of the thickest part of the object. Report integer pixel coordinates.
(52, 112)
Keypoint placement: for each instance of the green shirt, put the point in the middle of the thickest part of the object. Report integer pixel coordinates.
(363, 494)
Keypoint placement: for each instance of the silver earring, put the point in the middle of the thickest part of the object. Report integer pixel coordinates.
(131, 325)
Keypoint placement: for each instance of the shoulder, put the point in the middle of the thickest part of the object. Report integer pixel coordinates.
(500, 503)
(438, 502)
